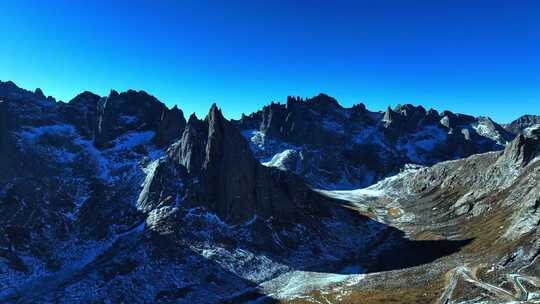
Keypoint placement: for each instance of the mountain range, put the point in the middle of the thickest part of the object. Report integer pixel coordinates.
(120, 199)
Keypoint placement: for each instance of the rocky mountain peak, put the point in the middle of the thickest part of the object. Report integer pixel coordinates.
(360, 107)
(8, 87)
(519, 125)
(410, 110)
(291, 101)
(226, 178)
(487, 122)
(137, 110)
(189, 150)
(389, 115)
(10, 90)
(432, 116)
(193, 210)
(214, 114)
(83, 112)
(355, 138)
(323, 100)
(85, 97)
(522, 149)
(224, 142)
(228, 170)
(432, 112)
(39, 93)
(113, 94)
(193, 119)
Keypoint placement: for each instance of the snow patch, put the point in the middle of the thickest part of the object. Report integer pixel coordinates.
(297, 284)
(283, 160)
(133, 139)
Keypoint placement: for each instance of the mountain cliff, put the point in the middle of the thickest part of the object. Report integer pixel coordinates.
(523, 123)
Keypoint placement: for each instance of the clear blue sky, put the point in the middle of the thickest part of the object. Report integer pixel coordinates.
(479, 57)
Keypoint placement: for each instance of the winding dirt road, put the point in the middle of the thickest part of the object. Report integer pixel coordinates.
(521, 295)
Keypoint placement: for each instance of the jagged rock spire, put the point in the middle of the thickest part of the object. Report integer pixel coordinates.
(227, 179)
(389, 115)
(522, 149)
(189, 150)
(170, 126)
(39, 93)
(228, 169)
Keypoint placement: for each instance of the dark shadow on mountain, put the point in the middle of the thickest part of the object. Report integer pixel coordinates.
(392, 251)
(399, 252)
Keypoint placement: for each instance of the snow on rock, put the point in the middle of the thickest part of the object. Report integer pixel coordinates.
(149, 171)
(49, 140)
(133, 139)
(286, 160)
(486, 127)
(386, 187)
(297, 284)
(256, 138)
(534, 129)
(418, 145)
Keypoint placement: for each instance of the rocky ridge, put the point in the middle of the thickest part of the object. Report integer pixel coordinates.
(107, 194)
(335, 148)
(522, 123)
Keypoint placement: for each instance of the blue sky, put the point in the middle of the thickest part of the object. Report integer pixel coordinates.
(478, 57)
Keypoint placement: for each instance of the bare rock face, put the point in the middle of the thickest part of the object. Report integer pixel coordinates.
(212, 167)
(190, 150)
(522, 149)
(83, 112)
(11, 91)
(104, 119)
(170, 126)
(229, 169)
(225, 178)
(300, 121)
(519, 125)
(132, 110)
(162, 185)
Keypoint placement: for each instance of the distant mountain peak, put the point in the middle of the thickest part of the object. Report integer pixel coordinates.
(520, 124)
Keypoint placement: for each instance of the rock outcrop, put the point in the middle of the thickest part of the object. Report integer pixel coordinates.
(519, 125)
(223, 176)
(132, 110)
(522, 149)
(83, 112)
